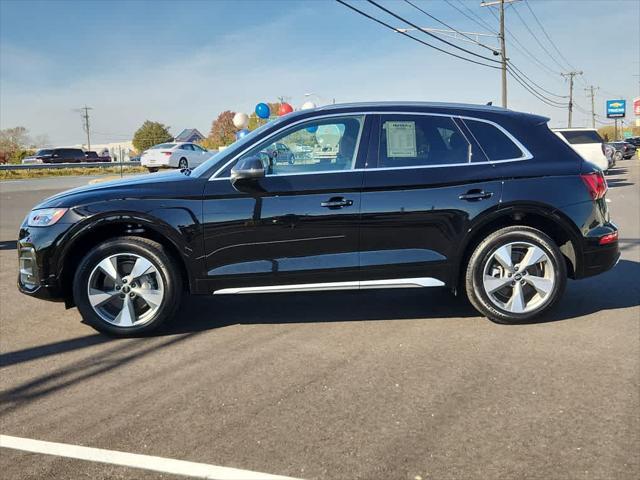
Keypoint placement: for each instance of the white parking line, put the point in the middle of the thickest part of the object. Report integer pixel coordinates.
(134, 460)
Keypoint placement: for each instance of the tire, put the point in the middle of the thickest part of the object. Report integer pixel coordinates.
(517, 300)
(182, 164)
(153, 296)
(617, 156)
(152, 169)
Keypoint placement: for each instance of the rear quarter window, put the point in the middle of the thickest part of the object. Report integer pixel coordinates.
(495, 144)
(578, 137)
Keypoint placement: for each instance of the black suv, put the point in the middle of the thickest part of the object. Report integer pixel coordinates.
(64, 155)
(478, 199)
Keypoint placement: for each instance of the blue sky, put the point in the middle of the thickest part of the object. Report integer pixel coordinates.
(184, 62)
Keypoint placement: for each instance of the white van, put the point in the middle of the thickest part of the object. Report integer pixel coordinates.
(587, 142)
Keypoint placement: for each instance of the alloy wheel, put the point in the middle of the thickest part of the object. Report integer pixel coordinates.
(519, 277)
(125, 290)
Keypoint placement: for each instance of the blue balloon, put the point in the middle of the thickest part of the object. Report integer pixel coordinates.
(262, 110)
(312, 129)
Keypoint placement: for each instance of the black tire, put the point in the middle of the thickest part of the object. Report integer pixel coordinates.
(482, 254)
(152, 169)
(617, 156)
(183, 163)
(163, 263)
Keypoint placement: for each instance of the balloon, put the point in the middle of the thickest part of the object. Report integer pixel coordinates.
(262, 110)
(242, 133)
(284, 109)
(328, 135)
(240, 120)
(308, 105)
(312, 129)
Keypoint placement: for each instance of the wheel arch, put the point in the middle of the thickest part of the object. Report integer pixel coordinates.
(543, 217)
(108, 227)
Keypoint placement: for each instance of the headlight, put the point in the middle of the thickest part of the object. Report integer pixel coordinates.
(45, 217)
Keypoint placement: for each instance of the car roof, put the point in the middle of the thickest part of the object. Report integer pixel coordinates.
(450, 108)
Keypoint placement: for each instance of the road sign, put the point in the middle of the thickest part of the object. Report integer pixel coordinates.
(616, 108)
(636, 106)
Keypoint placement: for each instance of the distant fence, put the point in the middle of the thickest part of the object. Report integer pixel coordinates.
(46, 166)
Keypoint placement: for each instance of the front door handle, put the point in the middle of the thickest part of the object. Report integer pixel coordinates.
(475, 195)
(337, 202)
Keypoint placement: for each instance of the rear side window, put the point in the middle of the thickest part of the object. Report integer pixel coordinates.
(420, 140)
(495, 144)
(578, 137)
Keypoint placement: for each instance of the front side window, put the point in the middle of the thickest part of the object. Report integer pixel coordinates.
(495, 144)
(329, 144)
(420, 140)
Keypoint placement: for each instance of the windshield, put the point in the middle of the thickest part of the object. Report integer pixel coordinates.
(578, 137)
(234, 147)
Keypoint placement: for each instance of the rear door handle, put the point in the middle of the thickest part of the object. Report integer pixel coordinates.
(337, 202)
(474, 195)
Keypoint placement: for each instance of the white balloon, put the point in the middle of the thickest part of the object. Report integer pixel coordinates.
(308, 105)
(328, 136)
(240, 120)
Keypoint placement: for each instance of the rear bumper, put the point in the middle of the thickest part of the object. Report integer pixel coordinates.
(598, 258)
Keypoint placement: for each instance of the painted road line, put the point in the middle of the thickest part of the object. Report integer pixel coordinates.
(134, 460)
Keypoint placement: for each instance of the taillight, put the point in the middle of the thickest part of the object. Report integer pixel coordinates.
(595, 183)
(168, 154)
(609, 238)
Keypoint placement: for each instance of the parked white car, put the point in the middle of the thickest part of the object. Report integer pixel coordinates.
(587, 142)
(174, 155)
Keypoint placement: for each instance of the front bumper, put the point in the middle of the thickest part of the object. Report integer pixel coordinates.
(37, 272)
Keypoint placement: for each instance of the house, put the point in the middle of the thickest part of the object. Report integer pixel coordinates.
(189, 135)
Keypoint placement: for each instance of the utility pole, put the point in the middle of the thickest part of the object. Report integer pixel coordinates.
(591, 90)
(503, 47)
(84, 113)
(570, 76)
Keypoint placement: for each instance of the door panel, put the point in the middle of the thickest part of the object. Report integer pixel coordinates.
(303, 226)
(280, 236)
(414, 218)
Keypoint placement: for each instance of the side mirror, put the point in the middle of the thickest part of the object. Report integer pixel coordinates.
(245, 175)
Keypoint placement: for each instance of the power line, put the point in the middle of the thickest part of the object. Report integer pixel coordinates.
(537, 39)
(429, 33)
(370, 17)
(477, 20)
(493, 50)
(533, 91)
(526, 2)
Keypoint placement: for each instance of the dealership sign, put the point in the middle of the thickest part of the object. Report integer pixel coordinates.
(616, 108)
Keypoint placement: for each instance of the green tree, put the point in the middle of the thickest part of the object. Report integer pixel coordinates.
(223, 131)
(150, 134)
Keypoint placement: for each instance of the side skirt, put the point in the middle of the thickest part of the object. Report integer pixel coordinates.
(315, 287)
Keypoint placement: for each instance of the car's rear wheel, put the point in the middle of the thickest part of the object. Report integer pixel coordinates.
(183, 163)
(515, 274)
(127, 286)
(617, 156)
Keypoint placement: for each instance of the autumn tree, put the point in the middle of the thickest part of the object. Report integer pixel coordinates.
(150, 134)
(223, 132)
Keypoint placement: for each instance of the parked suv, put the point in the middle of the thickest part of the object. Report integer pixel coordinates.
(478, 199)
(64, 155)
(588, 143)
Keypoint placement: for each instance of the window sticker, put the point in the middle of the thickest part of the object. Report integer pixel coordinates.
(401, 139)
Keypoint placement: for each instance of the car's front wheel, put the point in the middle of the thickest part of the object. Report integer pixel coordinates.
(182, 164)
(127, 286)
(515, 274)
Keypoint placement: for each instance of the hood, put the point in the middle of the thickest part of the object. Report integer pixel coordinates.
(138, 186)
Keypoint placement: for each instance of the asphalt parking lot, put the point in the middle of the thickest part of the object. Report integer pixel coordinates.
(369, 385)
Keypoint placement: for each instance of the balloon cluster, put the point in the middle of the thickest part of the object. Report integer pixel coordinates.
(241, 122)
